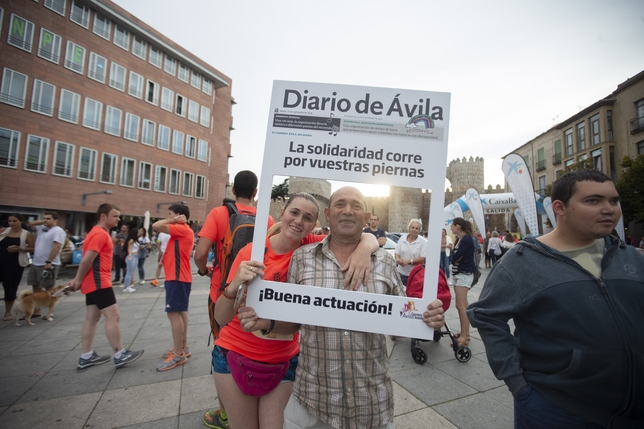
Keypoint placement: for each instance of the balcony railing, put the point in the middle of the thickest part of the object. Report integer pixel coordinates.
(556, 159)
(541, 165)
(637, 125)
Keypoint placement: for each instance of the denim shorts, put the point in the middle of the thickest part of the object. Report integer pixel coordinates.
(220, 364)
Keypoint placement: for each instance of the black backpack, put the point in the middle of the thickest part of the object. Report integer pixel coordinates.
(241, 227)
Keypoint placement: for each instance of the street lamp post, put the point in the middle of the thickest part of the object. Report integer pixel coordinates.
(84, 199)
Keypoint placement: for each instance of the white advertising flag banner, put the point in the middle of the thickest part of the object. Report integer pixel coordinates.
(518, 177)
(357, 134)
(620, 227)
(547, 204)
(473, 200)
(521, 221)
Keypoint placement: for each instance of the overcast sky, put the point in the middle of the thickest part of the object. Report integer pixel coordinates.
(513, 67)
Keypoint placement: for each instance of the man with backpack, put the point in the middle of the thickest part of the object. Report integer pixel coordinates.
(223, 227)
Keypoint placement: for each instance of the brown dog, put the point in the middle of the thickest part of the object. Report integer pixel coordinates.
(28, 301)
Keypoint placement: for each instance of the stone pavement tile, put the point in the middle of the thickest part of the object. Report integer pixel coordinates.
(425, 418)
(199, 363)
(59, 330)
(195, 420)
(430, 385)
(401, 357)
(29, 364)
(12, 388)
(477, 412)
(502, 394)
(405, 402)
(46, 344)
(143, 372)
(8, 347)
(70, 382)
(474, 373)
(197, 393)
(21, 333)
(63, 413)
(101, 343)
(134, 405)
(154, 348)
(167, 423)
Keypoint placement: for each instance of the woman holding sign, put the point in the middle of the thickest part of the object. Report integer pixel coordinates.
(266, 351)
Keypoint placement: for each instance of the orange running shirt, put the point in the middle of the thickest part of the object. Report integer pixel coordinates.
(233, 337)
(99, 275)
(214, 229)
(176, 259)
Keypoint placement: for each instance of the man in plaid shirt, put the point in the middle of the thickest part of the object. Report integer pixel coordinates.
(342, 378)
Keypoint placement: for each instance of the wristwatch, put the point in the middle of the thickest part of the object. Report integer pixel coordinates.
(47, 262)
(269, 330)
(200, 273)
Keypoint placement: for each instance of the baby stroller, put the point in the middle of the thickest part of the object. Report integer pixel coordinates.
(415, 284)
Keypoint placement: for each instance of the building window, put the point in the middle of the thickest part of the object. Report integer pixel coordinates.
(108, 168)
(49, 47)
(183, 73)
(160, 178)
(568, 140)
(122, 37)
(639, 110)
(191, 146)
(21, 33)
(187, 184)
(42, 98)
(14, 88)
(167, 96)
(542, 186)
(63, 159)
(57, 6)
(87, 164)
(117, 77)
(177, 142)
(175, 179)
(541, 159)
(179, 106)
(596, 155)
(80, 14)
(102, 26)
(155, 57)
(135, 89)
(97, 67)
(69, 106)
(131, 127)
(152, 95)
(609, 121)
(127, 172)
(92, 114)
(9, 145)
(204, 118)
(139, 47)
(164, 138)
(640, 147)
(170, 65)
(145, 175)
(147, 132)
(113, 121)
(200, 189)
(202, 152)
(36, 154)
(569, 163)
(556, 159)
(75, 57)
(594, 130)
(207, 86)
(526, 159)
(193, 111)
(195, 79)
(581, 136)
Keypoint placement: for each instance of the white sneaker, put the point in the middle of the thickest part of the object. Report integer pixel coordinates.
(129, 289)
(142, 282)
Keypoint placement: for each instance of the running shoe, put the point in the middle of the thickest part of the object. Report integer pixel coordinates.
(214, 420)
(95, 359)
(172, 361)
(128, 356)
(186, 351)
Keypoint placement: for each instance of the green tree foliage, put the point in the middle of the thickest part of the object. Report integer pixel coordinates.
(631, 189)
(280, 192)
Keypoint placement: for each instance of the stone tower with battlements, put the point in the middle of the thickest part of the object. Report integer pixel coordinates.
(464, 174)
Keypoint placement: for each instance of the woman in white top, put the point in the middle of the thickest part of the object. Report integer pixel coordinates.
(493, 245)
(131, 251)
(144, 251)
(410, 249)
(446, 247)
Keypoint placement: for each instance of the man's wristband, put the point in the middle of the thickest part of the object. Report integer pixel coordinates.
(269, 330)
(411, 261)
(47, 262)
(200, 273)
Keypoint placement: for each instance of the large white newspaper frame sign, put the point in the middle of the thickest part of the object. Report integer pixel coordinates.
(353, 134)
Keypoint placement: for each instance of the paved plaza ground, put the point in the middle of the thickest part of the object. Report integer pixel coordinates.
(41, 388)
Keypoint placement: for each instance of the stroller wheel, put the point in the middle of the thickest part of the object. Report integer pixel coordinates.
(463, 354)
(419, 355)
(437, 335)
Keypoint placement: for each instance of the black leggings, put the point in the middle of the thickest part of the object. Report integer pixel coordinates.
(10, 276)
